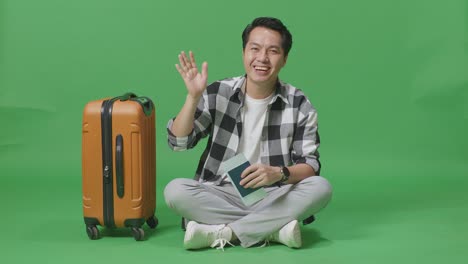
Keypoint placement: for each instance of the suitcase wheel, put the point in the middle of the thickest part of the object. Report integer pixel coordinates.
(152, 222)
(138, 233)
(93, 232)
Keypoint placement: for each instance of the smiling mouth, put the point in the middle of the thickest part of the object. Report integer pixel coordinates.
(261, 68)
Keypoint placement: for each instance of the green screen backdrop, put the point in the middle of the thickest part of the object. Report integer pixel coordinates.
(389, 80)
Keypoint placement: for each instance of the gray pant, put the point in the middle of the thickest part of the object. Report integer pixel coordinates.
(211, 204)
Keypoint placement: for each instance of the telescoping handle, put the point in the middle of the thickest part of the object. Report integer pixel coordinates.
(119, 165)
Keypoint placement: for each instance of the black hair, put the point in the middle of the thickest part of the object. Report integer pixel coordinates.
(271, 23)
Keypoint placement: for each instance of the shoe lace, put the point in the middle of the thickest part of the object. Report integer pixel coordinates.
(266, 243)
(220, 243)
(268, 239)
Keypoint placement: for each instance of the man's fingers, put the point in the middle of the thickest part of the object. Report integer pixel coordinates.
(192, 60)
(187, 62)
(182, 62)
(246, 180)
(248, 170)
(188, 69)
(254, 182)
(205, 70)
(245, 172)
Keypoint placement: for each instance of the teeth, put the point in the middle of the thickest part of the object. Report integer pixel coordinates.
(261, 68)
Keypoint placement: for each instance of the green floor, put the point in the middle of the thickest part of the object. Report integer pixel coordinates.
(388, 78)
(376, 216)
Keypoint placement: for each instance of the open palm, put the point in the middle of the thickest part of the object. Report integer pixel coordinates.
(194, 80)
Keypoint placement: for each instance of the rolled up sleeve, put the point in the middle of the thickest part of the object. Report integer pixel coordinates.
(178, 143)
(306, 139)
(201, 124)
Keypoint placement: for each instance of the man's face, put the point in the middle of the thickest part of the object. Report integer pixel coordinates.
(263, 56)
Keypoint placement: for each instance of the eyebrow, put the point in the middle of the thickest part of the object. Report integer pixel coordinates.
(256, 44)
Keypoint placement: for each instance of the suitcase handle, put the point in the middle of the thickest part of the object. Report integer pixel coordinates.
(127, 96)
(145, 103)
(119, 165)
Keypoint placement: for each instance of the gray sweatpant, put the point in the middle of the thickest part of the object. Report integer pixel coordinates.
(212, 204)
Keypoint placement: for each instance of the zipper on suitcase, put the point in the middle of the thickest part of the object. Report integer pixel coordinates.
(106, 131)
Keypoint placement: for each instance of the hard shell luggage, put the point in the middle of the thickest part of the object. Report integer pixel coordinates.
(119, 164)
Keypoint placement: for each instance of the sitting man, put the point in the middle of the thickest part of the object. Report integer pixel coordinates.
(272, 123)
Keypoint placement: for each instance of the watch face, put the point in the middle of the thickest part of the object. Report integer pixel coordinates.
(286, 171)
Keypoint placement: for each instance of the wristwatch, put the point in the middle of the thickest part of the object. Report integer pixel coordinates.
(284, 174)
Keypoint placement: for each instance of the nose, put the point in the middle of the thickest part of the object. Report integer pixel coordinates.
(263, 56)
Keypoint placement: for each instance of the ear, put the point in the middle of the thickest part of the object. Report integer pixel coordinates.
(285, 60)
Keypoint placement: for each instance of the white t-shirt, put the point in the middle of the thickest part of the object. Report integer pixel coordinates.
(253, 118)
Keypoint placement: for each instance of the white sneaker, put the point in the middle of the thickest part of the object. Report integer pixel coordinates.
(202, 236)
(289, 235)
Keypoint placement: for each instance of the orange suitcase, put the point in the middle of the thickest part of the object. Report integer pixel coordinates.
(119, 164)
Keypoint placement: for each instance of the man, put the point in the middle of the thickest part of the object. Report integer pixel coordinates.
(272, 123)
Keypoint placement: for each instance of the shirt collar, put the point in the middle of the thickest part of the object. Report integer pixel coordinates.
(280, 90)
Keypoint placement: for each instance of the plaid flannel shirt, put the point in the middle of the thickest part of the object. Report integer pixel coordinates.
(289, 135)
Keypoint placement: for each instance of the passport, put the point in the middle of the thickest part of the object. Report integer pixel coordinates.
(233, 168)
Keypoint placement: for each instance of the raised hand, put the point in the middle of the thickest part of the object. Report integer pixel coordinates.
(194, 80)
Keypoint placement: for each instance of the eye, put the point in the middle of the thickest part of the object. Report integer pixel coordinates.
(254, 48)
(274, 51)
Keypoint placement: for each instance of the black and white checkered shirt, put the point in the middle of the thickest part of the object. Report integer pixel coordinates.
(289, 135)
